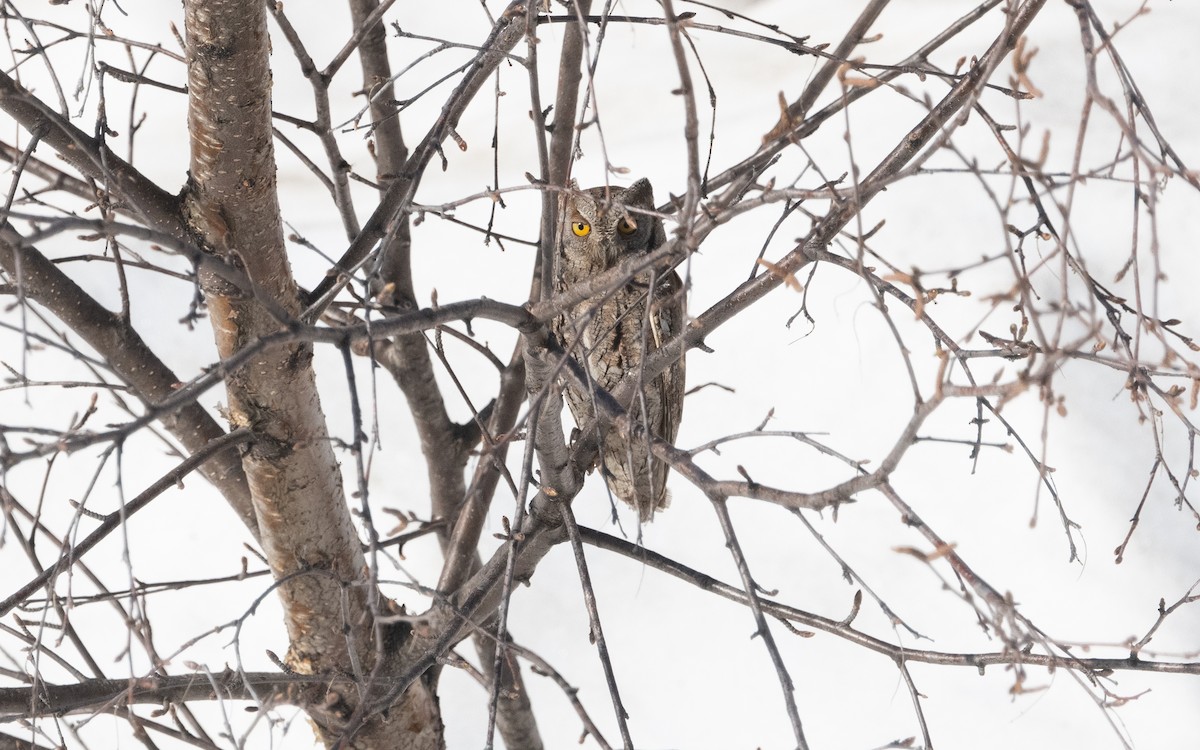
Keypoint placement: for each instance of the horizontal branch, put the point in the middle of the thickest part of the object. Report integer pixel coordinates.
(104, 695)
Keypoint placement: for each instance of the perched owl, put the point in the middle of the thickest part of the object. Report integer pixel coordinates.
(610, 335)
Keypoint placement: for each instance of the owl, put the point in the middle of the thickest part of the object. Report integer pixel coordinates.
(610, 335)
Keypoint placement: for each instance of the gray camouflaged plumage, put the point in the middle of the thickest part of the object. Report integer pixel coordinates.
(610, 335)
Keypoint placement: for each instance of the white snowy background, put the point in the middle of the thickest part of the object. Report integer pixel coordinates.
(690, 673)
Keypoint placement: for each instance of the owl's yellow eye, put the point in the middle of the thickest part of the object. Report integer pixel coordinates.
(627, 226)
(581, 228)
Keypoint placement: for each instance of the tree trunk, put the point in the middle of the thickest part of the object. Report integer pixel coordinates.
(307, 534)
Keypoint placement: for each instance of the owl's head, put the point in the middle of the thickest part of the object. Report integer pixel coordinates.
(602, 225)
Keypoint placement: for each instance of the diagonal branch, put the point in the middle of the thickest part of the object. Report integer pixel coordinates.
(505, 35)
(127, 353)
(960, 96)
(93, 158)
(843, 629)
(858, 30)
(113, 520)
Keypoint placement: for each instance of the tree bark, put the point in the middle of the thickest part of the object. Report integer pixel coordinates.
(232, 206)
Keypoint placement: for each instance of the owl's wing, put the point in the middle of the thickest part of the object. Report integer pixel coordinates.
(670, 318)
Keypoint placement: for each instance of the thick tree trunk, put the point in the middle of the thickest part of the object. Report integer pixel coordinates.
(295, 483)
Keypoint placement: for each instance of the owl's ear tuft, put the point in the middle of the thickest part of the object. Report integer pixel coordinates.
(568, 197)
(640, 193)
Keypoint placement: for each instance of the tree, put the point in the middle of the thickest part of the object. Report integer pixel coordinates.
(883, 387)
